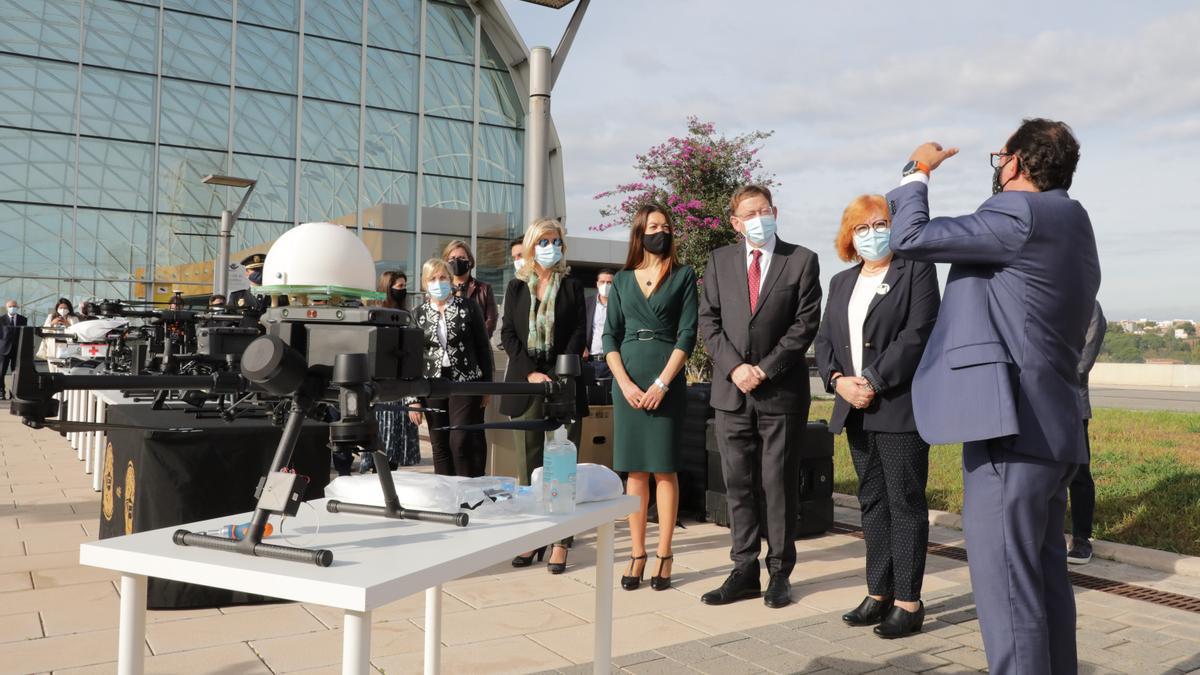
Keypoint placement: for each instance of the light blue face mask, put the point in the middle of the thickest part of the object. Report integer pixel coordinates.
(874, 245)
(439, 289)
(548, 256)
(760, 228)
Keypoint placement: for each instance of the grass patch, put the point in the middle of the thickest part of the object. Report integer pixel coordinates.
(1146, 465)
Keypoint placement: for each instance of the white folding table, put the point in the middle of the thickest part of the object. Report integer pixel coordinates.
(376, 561)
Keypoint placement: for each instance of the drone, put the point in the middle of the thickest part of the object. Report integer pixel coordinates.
(312, 358)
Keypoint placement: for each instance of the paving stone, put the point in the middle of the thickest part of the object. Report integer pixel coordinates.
(635, 658)
(729, 665)
(808, 645)
(930, 644)
(942, 629)
(791, 663)
(802, 622)
(1172, 651)
(871, 645)
(1087, 638)
(916, 662)
(831, 632)
(717, 640)
(1095, 623)
(972, 658)
(848, 663)
(691, 652)
(959, 616)
(772, 633)
(891, 670)
(974, 640)
(1144, 636)
(581, 669)
(659, 667)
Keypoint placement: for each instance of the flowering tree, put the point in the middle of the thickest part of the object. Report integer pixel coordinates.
(694, 177)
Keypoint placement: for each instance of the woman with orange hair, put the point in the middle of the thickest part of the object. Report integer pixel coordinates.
(877, 320)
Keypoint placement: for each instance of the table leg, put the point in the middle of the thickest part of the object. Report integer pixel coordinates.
(604, 599)
(73, 415)
(89, 415)
(356, 643)
(433, 630)
(101, 443)
(132, 637)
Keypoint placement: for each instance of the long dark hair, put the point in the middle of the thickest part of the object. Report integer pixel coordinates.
(637, 251)
(64, 301)
(386, 281)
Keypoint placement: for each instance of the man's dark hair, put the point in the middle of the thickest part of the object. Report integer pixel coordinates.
(605, 270)
(519, 241)
(1048, 152)
(215, 297)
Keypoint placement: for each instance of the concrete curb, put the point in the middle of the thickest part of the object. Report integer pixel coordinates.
(1161, 561)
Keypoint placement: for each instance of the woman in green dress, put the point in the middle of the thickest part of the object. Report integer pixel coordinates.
(648, 336)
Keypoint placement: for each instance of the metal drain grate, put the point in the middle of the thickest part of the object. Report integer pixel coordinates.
(1153, 596)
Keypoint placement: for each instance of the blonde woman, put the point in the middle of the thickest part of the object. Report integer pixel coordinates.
(544, 316)
(456, 349)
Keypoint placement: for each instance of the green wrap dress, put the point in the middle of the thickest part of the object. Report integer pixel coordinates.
(645, 330)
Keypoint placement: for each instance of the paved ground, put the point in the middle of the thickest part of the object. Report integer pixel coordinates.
(56, 616)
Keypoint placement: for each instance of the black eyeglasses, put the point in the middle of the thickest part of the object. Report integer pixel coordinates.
(995, 158)
(878, 226)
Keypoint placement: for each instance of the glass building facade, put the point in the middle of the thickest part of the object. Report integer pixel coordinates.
(396, 117)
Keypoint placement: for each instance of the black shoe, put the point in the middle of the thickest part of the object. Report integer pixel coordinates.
(630, 582)
(1081, 551)
(557, 568)
(868, 613)
(900, 623)
(738, 586)
(779, 592)
(658, 582)
(527, 560)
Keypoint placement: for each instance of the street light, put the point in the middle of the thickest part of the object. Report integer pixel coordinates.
(228, 218)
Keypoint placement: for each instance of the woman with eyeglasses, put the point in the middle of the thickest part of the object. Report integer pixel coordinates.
(877, 320)
(456, 349)
(458, 256)
(544, 316)
(649, 334)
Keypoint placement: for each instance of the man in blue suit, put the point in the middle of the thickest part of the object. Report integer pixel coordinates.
(999, 375)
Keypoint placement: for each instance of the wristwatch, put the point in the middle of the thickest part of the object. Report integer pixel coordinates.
(659, 383)
(914, 166)
(833, 380)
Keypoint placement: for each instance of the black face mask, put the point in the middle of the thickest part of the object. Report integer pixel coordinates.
(658, 243)
(399, 295)
(256, 277)
(997, 186)
(459, 267)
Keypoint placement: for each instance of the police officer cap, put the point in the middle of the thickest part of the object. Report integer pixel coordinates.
(253, 261)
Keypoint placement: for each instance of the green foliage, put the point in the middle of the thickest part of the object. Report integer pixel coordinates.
(1121, 347)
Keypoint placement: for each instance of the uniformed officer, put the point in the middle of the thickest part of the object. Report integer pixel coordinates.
(248, 300)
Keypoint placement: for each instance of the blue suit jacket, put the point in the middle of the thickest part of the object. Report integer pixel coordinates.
(1003, 355)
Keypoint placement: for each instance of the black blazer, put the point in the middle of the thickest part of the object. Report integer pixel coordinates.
(466, 341)
(895, 331)
(9, 333)
(569, 331)
(775, 337)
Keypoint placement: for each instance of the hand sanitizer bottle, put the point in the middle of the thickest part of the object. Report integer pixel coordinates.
(558, 474)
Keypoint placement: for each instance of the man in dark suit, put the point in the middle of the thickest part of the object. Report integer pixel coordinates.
(758, 315)
(597, 314)
(999, 375)
(10, 321)
(247, 300)
(1082, 491)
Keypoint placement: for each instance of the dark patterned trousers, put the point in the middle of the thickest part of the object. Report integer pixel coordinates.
(892, 472)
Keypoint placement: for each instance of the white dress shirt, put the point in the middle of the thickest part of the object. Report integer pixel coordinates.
(764, 261)
(598, 319)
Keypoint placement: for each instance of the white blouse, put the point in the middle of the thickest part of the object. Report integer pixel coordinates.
(864, 292)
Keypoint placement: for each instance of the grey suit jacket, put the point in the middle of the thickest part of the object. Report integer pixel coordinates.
(1091, 349)
(1003, 355)
(774, 337)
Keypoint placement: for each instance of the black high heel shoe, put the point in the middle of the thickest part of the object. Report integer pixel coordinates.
(527, 560)
(868, 613)
(658, 582)
(629, 582)
(901, 623)
(557, 568)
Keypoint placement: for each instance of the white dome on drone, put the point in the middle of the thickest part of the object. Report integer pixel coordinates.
(320, 254)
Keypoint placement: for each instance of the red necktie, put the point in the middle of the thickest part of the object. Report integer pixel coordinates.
(755, 276)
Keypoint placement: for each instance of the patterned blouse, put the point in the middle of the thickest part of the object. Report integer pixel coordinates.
(465, 345)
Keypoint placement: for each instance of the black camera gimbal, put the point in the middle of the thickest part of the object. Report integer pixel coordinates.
(313, 357)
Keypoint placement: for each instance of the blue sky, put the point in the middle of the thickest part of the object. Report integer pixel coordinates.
(850, 88)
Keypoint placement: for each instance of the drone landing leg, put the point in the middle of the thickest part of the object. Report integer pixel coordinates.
(251, 544)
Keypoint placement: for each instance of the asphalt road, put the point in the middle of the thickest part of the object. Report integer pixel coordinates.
(1183, 400)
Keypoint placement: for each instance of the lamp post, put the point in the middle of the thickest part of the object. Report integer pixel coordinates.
(544, 69)
(228, 218)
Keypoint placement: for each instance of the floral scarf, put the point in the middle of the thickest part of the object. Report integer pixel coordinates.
(541, 316)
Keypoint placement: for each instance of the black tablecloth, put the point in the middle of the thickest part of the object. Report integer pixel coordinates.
(181, 469)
